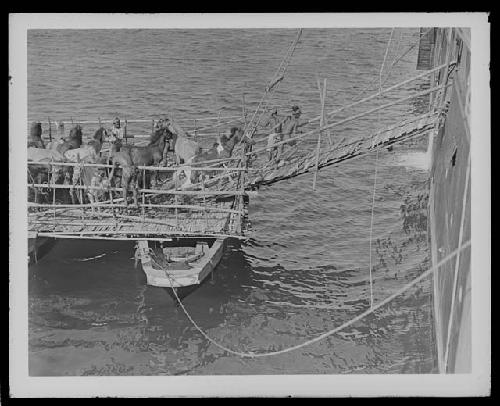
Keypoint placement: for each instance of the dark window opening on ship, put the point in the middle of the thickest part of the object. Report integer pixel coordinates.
(454, 158)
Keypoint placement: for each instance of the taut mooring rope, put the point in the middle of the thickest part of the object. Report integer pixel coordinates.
(360, 316)
(376, 170)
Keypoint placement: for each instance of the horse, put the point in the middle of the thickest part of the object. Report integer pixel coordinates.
(236, 135)
(211, 154)
(35, 136)
(89, 153)
(184, 148)
(39, 171)
(129, 171)
(223, 148)
(73, 141)
(153, 154)
(98, 179)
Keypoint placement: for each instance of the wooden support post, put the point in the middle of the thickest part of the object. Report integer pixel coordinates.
(81, 190)
(152, 126)
(143, 196)
(50, 130)
(125, 132)
(113, 206)
(322, 95)
(195, 130)
(218, 124)
(72, 120)
(176, 202)
(51, 182)
(243, 110)
(319, 133)
(205, 212)
(242, 198)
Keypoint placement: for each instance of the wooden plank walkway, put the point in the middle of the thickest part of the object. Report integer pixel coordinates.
(298, 165)
(80, 221)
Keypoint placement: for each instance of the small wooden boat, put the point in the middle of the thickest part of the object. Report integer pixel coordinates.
(38, 247)
(180, 263)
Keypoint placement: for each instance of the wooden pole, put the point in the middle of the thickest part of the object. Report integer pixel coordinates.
(322, 95)
(125, 132)
(150, 205)
(195, 130)
(97, 235)
(53, 189)
(218, 124)
(50, 130)
(176, 202)
(143, 196)
(81, 190)
(205, 212)
(243, 109)
(179, 192)
(322, 98)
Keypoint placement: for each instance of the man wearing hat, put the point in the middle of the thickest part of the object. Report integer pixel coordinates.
(116, 131)
(276, 124)
(292, 124)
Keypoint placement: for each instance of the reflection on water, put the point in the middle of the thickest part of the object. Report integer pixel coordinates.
(305, 268)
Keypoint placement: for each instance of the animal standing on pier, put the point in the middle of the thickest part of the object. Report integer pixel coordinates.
(35, 136)
(99, 179)
(40, 173)
(73, 141)
(153, 154)
(129, 173)
(222, 149)
(89, 153)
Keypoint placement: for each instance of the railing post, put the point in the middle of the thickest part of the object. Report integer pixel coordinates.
(205, 211)
(50, 130)
(125, 132)
(81, 184)
(176, 202)
(322, 117)
(243, 110)
(51, 182)
(218, 124)
(143, 196)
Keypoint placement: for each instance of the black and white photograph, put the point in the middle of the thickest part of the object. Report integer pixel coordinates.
(249, 205)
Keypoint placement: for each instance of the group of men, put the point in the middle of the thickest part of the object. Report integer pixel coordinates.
(282, 128)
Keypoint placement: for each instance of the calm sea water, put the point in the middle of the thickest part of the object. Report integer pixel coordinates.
(305, 269)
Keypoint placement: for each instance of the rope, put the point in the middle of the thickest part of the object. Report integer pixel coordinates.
(376, 170)
(323, 335)
(396, 61)
(273, 85)
(457, 264)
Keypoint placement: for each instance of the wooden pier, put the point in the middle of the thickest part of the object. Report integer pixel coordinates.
(214, 205)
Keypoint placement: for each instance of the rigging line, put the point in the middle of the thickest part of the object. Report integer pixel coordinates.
(351, 118)
(284, 63)
(457, 264)
(376, 171)
(369, 86)
(322, 336)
